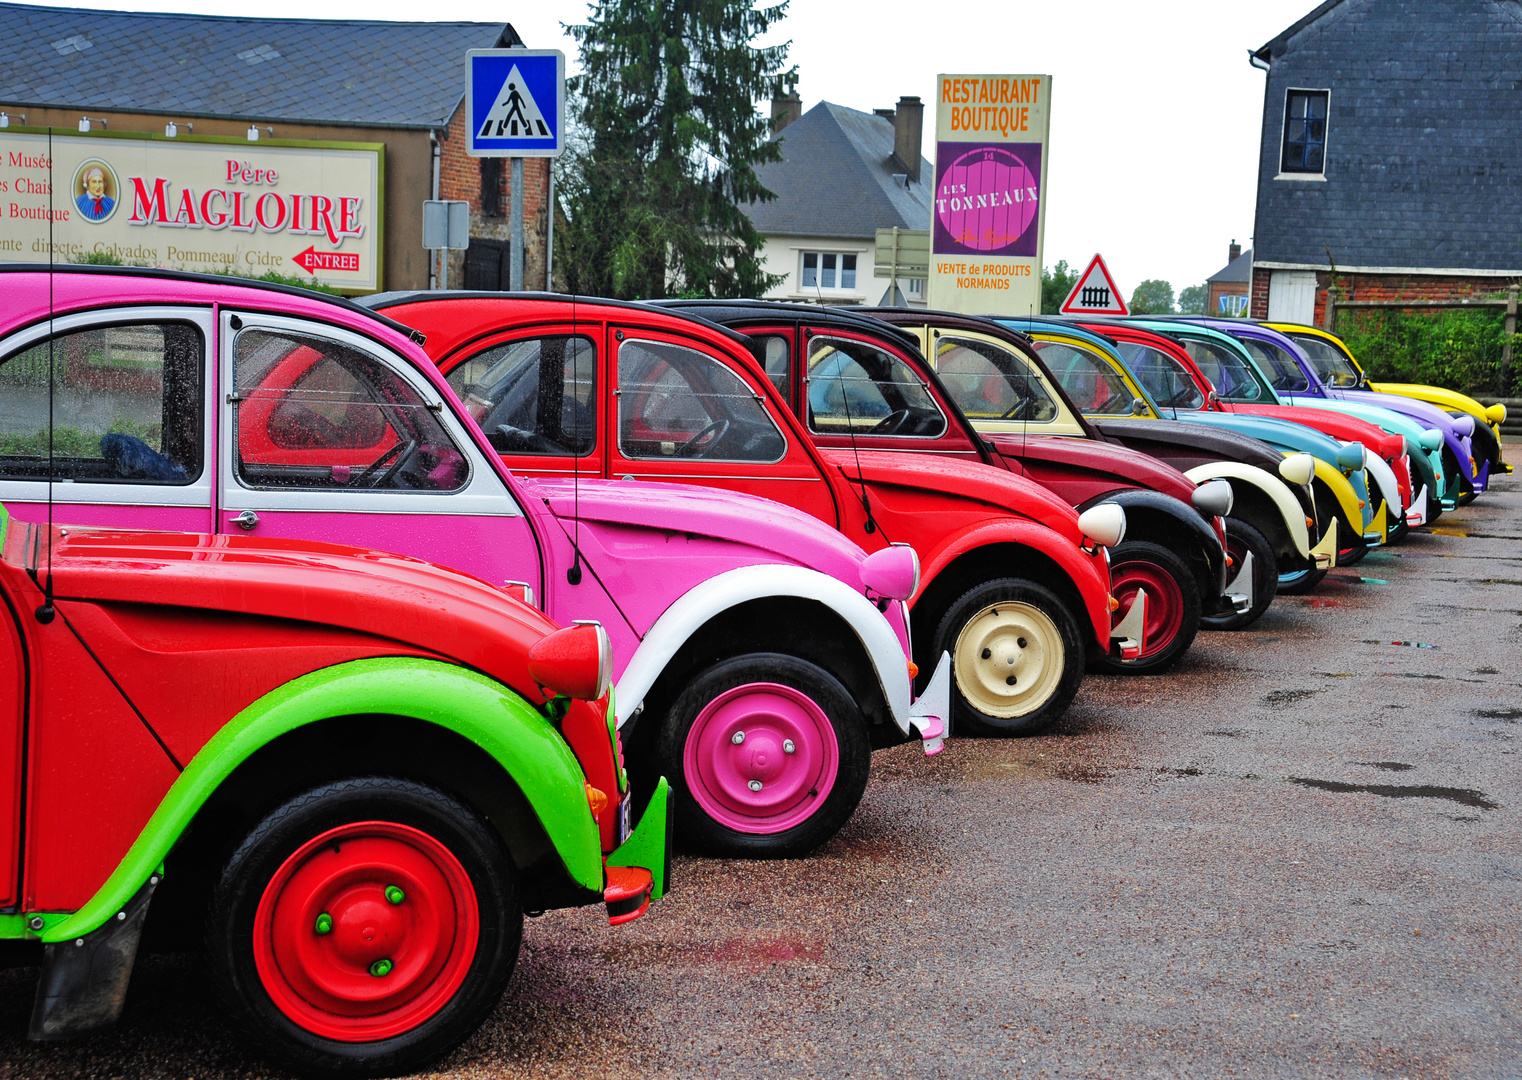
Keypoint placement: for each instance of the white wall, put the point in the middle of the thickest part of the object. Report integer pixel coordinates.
(784, 255)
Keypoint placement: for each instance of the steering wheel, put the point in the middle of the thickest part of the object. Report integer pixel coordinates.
(720, 428)
(1019, 407)
(890, 423)
(401, 452)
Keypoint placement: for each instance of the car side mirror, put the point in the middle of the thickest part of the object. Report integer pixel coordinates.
(1138, 407)
(1213, 398)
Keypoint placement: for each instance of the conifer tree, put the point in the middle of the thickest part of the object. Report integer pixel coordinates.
(655, 185)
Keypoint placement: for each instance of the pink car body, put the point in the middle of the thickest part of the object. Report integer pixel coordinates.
(682, 578)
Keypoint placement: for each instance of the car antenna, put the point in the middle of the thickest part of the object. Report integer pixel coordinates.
(861, 477)
(573, 575)
(45, 611)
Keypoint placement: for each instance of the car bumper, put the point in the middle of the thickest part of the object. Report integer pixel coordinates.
(638, 871)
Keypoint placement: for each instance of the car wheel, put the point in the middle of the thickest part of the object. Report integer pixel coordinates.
(1300, 582)
(364, 928)
(1173, 605)
(1352, 556)
(770, 753)
(1017, 658)
(1242, 539)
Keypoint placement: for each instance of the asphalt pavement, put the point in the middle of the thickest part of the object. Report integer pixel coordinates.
(1297, 854)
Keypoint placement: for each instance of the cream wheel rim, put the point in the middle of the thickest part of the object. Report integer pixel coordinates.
(1009, 659)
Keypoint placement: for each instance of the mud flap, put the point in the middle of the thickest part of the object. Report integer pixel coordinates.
(1240, 591)
(1129, 635)
(1417, 515)
(1379, 528)
(1325, 552)
(930, 715)
(84, 981)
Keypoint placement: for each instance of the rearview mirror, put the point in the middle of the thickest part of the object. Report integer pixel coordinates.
(1138, 407)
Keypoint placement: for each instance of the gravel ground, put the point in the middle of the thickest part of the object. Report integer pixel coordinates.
(1295, 855)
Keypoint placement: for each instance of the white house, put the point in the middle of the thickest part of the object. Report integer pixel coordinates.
(844, 175)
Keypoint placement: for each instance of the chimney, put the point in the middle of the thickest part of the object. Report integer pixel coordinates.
(1235, 253)
(785, 109)
(908, 126)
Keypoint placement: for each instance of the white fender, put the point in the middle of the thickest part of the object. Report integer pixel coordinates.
(1289, 508)
(718, 594)
(1384, 476)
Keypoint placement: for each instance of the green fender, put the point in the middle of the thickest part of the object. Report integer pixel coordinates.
(480, 709)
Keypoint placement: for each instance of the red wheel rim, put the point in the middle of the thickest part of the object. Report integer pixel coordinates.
(392, 895)
(778, 773)
(1165, 602)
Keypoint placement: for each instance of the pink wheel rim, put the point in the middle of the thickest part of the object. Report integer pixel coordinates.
(1165, 602)
(778, 771)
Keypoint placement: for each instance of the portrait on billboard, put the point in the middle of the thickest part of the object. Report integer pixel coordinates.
(95, 190)
(986, 197)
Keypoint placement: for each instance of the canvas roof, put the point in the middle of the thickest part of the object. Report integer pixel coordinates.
(392, 74)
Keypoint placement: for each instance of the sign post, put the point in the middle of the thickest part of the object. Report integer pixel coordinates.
(987, 216)
(1095, 293)
(446, 227)
(901, 253)
(515, 105)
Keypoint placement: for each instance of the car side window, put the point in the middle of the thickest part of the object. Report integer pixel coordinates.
(1335, 370)
(310, 412)
(1283, 373)
(1093, 384)
(1225, 371)
(1164, 377)
(856, 387)
(126, 406)
(674, 401)
(991, 383)
(776, 356)
(535, 396)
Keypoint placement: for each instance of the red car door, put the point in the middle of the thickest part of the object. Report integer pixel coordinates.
(684, 414)
(12, 716)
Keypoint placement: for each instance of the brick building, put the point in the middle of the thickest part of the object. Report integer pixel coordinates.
(294, 81)
(1229, 288)
(1388, 161)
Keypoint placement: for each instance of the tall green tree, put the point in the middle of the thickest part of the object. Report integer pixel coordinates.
(1056, 282)
(1152, 297)
(654, 193)
(1191, 301)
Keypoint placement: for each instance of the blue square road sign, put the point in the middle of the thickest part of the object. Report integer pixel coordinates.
(515, 102)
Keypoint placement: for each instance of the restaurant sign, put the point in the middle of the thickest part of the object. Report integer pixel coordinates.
(987, 218)
(304, 209)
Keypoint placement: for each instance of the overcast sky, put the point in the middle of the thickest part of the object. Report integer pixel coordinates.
(1155, 110)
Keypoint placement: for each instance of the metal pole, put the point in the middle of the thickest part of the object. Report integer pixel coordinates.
(444, 268)
(515, 276)
(1511, 330)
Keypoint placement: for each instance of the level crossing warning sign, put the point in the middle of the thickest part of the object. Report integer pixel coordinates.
(516, 102)
(1095, 293)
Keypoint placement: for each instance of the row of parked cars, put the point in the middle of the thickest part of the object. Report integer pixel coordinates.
(345, 634)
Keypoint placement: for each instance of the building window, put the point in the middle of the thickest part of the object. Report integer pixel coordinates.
(829, 270)
(916, 287)
(1304, 132)
(491, 188)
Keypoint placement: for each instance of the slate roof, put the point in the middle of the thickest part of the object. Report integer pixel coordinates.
(1239, 270)
(1424, 124)
(390, 74)
(836, 179)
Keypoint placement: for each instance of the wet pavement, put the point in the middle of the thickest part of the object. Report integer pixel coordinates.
(1297, 854)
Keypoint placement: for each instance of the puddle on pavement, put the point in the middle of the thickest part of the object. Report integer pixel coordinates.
(1511, 716)
(1462, 796)
(1358, 580)
(1438, 530)
(1388, 766)
(1289, 697)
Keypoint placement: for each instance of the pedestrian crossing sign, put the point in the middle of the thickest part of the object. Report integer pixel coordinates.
(515, 102)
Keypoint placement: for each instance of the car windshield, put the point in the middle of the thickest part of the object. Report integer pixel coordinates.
(1093, 384)
(992, 383)
(1328, 362)
(1167, 380)
(1284, 375)
(1225, 370)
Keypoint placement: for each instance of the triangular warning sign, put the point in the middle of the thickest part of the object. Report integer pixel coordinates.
(1095, 293)
(515, 115)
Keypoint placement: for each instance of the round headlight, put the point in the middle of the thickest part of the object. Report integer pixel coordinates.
(576, 661)
(1350, 456)
(1213, 499)
(1298, 469)
(1104, 524)
(893, 572)
(1431, 440)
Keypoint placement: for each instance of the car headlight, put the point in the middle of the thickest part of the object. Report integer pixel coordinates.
(1496, 414)
(1350, 456)
(893, 572)
(576, 661)
(1464, 425)
(1298, 469)
(1431, 440)
(1214, 499)
(1103, 525)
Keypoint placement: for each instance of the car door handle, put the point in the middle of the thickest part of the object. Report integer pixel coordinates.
(246, 520)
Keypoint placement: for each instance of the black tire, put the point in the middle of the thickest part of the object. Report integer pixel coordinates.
(1157, 561)
(1465, 499)
(696, 826)
(1241, 538)
(1055, 623)
(230, 925)
(1352, 556)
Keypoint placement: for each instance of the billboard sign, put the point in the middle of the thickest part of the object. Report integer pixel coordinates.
(194, 203)
(516, 99)
(987, 210)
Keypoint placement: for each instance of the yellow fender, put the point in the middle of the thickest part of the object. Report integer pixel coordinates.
(1289, 509)
(1346, 497)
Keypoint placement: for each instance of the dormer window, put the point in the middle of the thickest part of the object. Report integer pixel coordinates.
(1304, 132)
